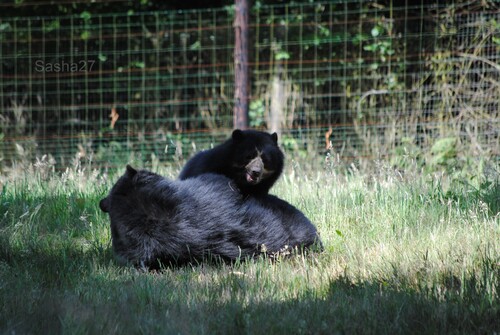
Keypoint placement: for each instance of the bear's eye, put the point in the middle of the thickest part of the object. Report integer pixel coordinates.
(248, 157)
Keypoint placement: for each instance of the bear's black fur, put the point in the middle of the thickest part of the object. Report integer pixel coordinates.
(155, 220)
(252, 159)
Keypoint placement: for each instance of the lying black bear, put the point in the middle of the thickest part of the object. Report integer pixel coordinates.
(155, 220)
(252, 159)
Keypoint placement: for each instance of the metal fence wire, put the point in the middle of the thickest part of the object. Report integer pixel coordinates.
(358, 79)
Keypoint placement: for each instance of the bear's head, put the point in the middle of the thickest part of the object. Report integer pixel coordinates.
(128, 190)
(128, 204)
(257, 159)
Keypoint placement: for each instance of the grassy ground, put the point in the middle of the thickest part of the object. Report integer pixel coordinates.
(404, 254)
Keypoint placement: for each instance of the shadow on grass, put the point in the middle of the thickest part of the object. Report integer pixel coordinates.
(75, 291)
(38, 282)
(363, 308)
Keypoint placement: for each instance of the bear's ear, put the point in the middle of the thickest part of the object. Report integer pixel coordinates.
(131, 171)
(104, 205)
(237, 135)
(274, 136)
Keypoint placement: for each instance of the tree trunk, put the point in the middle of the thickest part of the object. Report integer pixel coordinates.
(241, 80)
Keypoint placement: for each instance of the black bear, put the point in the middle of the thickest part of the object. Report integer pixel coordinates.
(159, 221)
(252, 159)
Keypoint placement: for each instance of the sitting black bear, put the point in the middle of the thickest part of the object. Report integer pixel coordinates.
(252, 159)
(155, 220)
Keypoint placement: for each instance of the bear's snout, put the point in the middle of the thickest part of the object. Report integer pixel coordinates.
(254, 170)
(253, 177)
(103, 204)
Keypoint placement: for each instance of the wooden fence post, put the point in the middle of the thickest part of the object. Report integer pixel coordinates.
(241, 80)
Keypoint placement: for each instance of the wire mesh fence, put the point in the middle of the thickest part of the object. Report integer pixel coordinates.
(358, 79)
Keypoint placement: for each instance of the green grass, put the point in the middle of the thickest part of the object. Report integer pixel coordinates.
(404, 254)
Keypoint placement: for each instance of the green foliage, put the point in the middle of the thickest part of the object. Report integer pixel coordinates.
(444, 152)
(85, 35)
(5, 26)
(282, 55)
(289, 143)
(407, 154)
(53, 25)
(381, 47)
(446, 155)
(293, 145)
(195, 46)
(138, 64)
(86, 16)
(256, 113)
